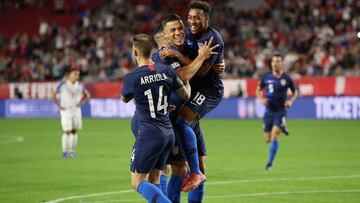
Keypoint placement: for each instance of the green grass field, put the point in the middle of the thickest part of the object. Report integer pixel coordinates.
(319, 162)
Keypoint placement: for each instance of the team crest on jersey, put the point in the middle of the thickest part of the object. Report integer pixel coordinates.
(175, 65)
(283, 82)
(175, 150)
(189, 42)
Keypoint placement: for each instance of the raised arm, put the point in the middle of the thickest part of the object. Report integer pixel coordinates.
(187, 72)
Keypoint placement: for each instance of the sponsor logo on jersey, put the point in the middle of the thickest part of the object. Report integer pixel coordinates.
(283, 82)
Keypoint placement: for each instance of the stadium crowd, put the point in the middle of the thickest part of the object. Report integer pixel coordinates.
(316, 37)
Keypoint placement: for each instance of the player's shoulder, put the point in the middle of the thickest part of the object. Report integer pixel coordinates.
(212, 32)
(267, 75)
(286, 76)
(156, 56)
(165, 68)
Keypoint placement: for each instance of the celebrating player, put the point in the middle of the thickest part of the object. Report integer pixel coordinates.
(150, 86)
(276, 84)
(207, 92)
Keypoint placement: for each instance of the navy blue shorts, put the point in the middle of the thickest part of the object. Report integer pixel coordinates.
(178, 152)
(203, 100)
(272, 118)
(151, 150)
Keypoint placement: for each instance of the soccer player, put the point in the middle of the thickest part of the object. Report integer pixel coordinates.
(276, 84)
(150, 86)
(72, 96)
(177, 55)
(207, 92)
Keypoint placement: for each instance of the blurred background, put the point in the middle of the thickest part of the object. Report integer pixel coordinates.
(41, 38)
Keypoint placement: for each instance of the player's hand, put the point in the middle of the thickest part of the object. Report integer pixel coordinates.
(219, 67)
(207, 50)
(288, 104)
(171, 108)
(166, 52)
(263, 101)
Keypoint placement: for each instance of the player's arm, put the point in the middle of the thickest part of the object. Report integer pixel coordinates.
(167, 52)
(54, 97)
(295, 94)
(219, 67)
(187, 72)
(211, 63)
(86, 96)
(127, 92)
(259, 94)
(182, 90)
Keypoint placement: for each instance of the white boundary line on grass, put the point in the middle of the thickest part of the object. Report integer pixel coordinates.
(231, 182)
(262, 194)
(6, 139)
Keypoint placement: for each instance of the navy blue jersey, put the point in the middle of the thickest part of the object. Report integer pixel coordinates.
(150, 86)
(276, 89)
(211, 80)
(173, 61)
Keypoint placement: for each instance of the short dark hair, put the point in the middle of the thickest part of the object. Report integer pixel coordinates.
(277, 54)
(144, 43)
(202, 5)
(170, 18)
(157, 34)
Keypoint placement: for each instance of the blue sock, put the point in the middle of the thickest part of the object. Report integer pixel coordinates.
(189, 139)
(197, 195)
(163, 183)
(273, 149)
(151, 193)
(174, 188)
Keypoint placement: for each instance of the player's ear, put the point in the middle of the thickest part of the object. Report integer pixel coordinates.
(136, 53)
(164, 35)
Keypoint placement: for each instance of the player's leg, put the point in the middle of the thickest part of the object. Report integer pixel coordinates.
(283, 127)
(274, 145)
(154, 177)
(186, 116)
(197, 195)
(77, 125)
(177, 160)
(178, 172)
(164, 178)
(144, 158)
(66, 125)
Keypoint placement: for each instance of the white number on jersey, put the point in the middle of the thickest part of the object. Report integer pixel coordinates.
(199, 98)
(271, 88)
(160, 104)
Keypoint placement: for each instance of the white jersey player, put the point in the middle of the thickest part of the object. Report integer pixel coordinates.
(72, 95)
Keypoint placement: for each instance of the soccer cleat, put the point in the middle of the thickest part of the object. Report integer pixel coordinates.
(65, 155)
(285, 130)
(72, 155)
(268, 167)
(192, 181)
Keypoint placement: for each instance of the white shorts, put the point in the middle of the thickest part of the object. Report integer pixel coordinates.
(71, 121)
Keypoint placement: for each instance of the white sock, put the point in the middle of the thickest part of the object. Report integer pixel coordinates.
(70, 141)
(64, 142)
(75, 141)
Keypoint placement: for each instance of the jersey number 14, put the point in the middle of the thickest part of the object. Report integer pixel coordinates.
(160, 104)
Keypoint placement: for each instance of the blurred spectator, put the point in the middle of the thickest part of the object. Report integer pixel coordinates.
(317, 38)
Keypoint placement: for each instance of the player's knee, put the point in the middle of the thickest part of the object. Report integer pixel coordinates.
(134, 184)
(154, 176)
(67, 132)
(73, 131)
(179, 169)
(166, 171)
